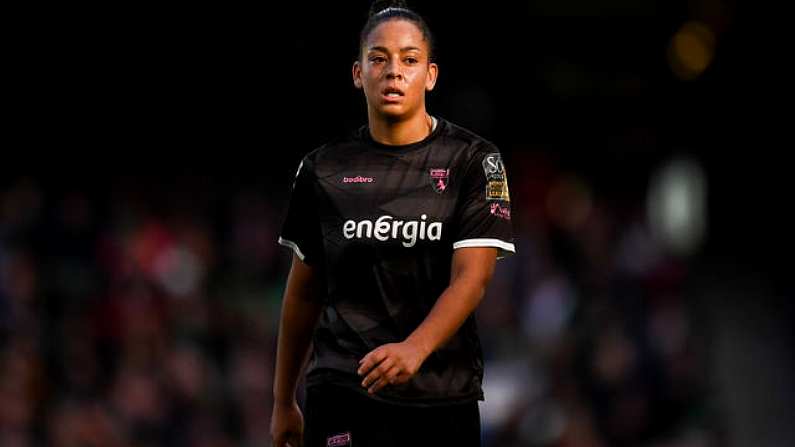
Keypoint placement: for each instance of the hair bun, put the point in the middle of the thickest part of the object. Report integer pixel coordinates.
(380, 5)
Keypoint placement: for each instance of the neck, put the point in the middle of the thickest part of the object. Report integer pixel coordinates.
(397, 132)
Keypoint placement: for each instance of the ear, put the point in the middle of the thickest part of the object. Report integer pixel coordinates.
(430, 79)
(357, 74)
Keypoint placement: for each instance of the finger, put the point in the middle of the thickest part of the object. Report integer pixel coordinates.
(388, 377)
(392, 376)
(378, 372)
(377, 385)
(370, 360)
(401, 377)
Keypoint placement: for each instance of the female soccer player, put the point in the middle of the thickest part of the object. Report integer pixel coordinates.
(395, 229)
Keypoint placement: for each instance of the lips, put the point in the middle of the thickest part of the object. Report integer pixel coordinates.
(392, 93)
(392, 89)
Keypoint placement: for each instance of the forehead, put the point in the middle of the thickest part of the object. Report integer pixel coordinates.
(396, 34)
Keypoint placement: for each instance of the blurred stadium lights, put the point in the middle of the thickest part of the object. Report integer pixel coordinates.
(179, 270)
(677, 205)
(691, 50)
(508, 385)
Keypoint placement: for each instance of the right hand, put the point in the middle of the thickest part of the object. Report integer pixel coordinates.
(287, 425)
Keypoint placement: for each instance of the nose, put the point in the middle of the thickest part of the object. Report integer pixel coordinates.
(393, 70)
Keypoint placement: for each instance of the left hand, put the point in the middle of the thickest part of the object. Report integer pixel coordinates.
(392, 363)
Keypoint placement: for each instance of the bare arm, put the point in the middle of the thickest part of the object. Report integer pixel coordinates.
(470, 274)
(301, 308)
(393, 363)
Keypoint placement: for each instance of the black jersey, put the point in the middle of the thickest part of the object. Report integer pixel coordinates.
(382, 222)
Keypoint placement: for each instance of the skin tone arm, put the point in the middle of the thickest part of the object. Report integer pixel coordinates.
(394, 363)
(301, 308)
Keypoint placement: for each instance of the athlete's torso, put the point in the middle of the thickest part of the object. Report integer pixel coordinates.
(389, 217)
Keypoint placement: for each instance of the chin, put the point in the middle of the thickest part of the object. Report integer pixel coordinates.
(393, 111)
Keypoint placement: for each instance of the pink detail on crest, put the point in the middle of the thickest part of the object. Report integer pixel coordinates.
(439, 177)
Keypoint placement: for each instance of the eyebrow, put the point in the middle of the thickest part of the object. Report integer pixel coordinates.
(383, 49)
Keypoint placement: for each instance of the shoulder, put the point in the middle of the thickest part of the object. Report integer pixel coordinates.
(330, 150)
(470, 141)
(474, 147)
(460, 133)
(334, 148)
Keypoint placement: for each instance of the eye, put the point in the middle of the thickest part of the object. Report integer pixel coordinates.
(412, 60)
(377, 59)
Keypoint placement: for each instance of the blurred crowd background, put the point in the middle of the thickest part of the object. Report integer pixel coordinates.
(141, 281)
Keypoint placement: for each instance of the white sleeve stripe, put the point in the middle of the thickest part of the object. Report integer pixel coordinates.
(292, 245)
(485, 242)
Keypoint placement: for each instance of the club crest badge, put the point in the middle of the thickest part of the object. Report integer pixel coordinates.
(340, 440)
(440, 178)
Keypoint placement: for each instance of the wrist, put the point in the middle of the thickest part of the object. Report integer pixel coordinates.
(422, 345)
(284, 400)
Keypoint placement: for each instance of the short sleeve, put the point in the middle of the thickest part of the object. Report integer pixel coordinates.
(300, 229)
(483, 211)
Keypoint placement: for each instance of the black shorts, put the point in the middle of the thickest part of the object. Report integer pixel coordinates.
(335, 416)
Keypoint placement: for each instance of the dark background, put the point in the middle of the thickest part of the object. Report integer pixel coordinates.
(138, 127)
